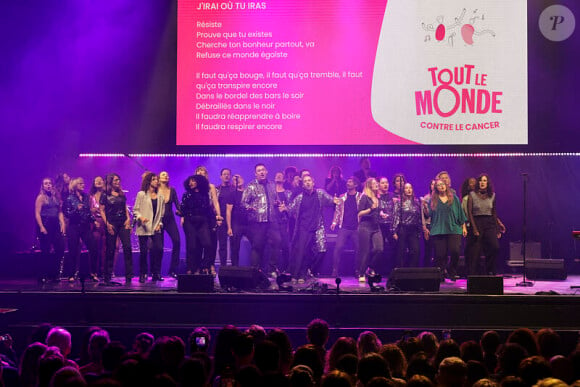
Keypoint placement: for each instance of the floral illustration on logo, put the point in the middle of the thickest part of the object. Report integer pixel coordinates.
(447, 33)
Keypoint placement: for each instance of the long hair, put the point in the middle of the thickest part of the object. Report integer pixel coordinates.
(435, 194)
(146, 181)
(94, 189)
(201, 168)
(200, 180)
(405, 197)
(402, 179)
(52, 191)
(109, 184)
(53, 194)
(335, 168)
(413, 198)
(489, 191)
(368, 188)
(431, 183)
(59, 183)
(465, 187)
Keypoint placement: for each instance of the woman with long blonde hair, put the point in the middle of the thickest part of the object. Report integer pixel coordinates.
(50, 225)
(447, 227)
(369, 232)
(77, 209)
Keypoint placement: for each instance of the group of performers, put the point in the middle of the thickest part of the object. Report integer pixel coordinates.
(283, 219)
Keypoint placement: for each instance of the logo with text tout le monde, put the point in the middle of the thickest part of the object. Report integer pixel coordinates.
(452, 72)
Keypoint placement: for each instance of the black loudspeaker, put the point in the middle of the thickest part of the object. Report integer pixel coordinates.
(546, 269)
(195, 283)
(533, 250)
(242, 278)
(484, 284)
(426, 279)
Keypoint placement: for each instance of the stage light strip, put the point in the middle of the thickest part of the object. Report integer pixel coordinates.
(325, 155)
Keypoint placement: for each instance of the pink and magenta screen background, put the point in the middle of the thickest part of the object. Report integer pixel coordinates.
(333, 111)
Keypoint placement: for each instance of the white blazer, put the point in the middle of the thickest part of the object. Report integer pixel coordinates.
(143, 208)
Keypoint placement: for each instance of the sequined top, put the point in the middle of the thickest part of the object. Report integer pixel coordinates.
(115, 208)
(95, 207)
(387, 206)
(481, 206)
(407, 216)
(76, 215)
(195, 204)
(259, 199)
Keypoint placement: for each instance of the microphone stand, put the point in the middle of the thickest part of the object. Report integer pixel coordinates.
(524, 233)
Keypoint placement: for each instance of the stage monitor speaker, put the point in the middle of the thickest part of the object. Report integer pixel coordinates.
(195, 283)
(242, 278)
(425, 279)
(546, 269)
(484, 284)
(533, 250)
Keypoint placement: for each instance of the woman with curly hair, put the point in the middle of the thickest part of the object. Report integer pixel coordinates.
(216, 220)
(197, 211)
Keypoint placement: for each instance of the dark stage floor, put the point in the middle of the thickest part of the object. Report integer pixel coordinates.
(349, 285)
(545, 304)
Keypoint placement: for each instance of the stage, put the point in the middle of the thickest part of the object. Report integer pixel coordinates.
(159, 308)
(545, 304)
